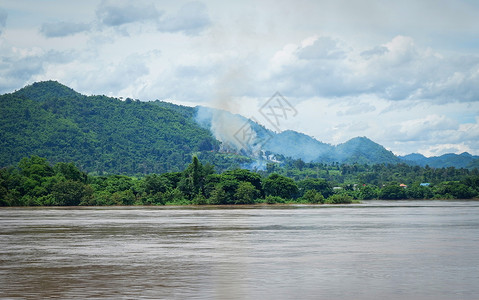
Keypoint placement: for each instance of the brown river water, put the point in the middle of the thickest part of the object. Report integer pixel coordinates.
(374, 250)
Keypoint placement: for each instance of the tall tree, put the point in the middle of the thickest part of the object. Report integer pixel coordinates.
(278, 185)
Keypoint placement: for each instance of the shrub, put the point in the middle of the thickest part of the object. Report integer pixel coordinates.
(339, 199)
(274, 199)
(312, 196)
(199, 199)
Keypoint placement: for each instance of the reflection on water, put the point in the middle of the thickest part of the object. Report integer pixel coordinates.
(375, 250)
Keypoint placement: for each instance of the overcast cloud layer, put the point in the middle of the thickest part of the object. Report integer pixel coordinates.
(403, 73)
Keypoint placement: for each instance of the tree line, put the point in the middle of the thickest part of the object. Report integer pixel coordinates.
(35, 182)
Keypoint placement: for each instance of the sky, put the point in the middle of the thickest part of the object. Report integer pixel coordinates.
(402, 73)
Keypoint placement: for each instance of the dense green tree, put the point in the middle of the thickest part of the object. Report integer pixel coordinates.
(246, 176)
(457, 190)
(194, 178)
(218, 196)
(229, 185)
(368, 192)
(299, 164)
(123, 198)
(70, 172)
(199, 199)
(269, 199)
(173, 196)
(112, 183)
(313, 196)
(339, 199)
(173, 178)
(154, 183)
(319, 185)
(472, 182)
(246, 193)
(419, 192)
(70, 193)
(281, 186)
(35, 167)
(392, 192)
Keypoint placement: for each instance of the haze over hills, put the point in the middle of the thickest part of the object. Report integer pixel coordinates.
(290, 143)
(103, 134)
(297, 145)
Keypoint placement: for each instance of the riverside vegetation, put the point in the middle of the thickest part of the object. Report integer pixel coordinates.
(35, 182)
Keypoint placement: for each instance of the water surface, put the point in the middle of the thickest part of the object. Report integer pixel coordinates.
(375, 250)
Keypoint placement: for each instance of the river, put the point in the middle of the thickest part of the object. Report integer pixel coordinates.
(374, 250)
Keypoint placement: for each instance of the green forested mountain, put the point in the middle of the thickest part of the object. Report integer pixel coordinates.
(99, 133)
(473, 164)
(363, 150)
(108, 135)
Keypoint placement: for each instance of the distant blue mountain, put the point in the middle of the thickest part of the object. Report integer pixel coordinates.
(290, 143)
(463, 160)
(298, 145)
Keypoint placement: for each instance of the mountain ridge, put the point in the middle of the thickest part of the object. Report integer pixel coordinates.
(463, 160)
(104, 134)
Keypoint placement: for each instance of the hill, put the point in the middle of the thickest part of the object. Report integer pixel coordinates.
(289, 143)
(299, 146)
(463, 160)
(357, 150)
(363, 150)
(99, 133)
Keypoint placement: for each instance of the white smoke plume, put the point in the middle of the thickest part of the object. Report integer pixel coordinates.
(233, 131)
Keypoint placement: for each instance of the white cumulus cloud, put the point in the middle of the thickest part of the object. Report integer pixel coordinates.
(61, 29)
(116, 13)
(396, 70)
(3, 19)
(191, 19)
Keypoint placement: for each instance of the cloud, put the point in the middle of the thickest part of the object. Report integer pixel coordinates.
(458, 84)
(314, 68)
(425, 128)
(3, 19)
(378, 50)
(322, 48)
(62, 29)
(191, 19)
(14, 73)
(20, 66)
(465, 138)
(357, 108)
(470, 131)
(114, 78)
(397, 70)
(116, 13)
(433, 133)
(440, 149)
